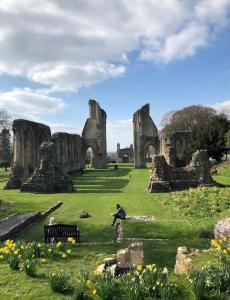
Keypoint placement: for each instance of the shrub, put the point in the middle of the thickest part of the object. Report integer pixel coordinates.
(60, 283)
(30, 267)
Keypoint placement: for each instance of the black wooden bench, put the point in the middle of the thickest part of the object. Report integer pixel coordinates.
(61, 231)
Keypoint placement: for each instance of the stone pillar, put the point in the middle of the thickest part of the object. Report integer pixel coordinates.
(94, 135)
(145, 133)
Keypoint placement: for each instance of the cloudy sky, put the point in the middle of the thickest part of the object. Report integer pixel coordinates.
(55, 55)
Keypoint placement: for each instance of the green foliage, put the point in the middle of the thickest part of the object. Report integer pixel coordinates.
(151, 282)
(227, 139)
(60, 283)
(13, 261)
(210, 135)
(5, 147)
(30, 266)
(201, 202)
(106, 286)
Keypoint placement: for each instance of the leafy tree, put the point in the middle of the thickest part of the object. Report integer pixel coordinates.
(5, 148)
(188, 118)
(207, 129)
(227, 139)
(210, 135)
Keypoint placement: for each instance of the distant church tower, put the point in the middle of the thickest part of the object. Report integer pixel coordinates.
(118, 147)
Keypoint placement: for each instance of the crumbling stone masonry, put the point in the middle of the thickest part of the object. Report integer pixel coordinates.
(164, 177)
(69, 151)
(48, 177)
(94, 135)
(145, 135)
(172, 146)
(28, 137)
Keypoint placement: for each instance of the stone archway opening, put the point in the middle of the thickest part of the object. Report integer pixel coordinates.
(150, 153)
(89, 161)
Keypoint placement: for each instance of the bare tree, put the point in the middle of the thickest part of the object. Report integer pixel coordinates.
(5, 120)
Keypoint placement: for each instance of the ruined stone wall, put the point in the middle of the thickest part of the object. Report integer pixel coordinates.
(69, 151)
(27, 139)
(94, 135)
(172, 146)
(145, 134)
(164, 177)
(48, 176)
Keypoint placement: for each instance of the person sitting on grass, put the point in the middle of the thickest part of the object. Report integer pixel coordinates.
(120, 214)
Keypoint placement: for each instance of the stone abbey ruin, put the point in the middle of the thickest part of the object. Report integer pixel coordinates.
(43, 162)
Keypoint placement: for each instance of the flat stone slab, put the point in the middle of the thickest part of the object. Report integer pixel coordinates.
(14, 224)
(140, 218)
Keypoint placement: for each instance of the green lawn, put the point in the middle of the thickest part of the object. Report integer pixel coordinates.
(98, 191)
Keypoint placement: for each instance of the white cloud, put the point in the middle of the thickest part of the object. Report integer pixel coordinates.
(66, 77)
(119, 131)
(30, 102)
(223, 107)
(69, 44)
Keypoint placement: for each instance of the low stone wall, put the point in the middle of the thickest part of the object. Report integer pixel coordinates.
(20, 222)
(16, 224)
(165, 178)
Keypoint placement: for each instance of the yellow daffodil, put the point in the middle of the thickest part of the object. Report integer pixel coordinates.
(139, 268)
(88, 282)
(59, 244)
(49, 250)
(94, 292)
(68, 251)
(63, 255)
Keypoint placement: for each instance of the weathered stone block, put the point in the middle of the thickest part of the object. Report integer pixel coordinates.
(123, 258)
(222, 229)
(136, 252)
(183, 261)
(131, 256)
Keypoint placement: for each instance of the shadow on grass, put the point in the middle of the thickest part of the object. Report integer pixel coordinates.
(88, 185)
(160, 230)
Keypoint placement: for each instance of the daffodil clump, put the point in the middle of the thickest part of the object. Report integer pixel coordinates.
(221, 248)
(214, 280)
(149, 282)
(201, 202)
(17, 253)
